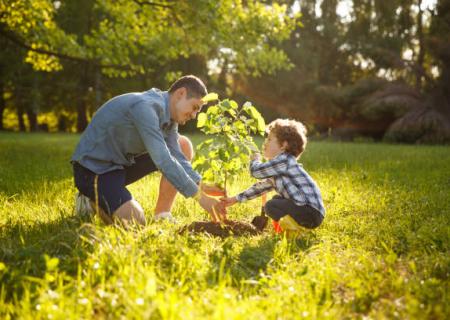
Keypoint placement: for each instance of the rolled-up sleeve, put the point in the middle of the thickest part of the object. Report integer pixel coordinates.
(255, 190)
(146, 121)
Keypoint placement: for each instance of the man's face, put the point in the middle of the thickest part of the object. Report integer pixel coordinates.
(184, 109)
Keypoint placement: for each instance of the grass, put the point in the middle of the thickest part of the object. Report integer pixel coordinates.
(382, 251)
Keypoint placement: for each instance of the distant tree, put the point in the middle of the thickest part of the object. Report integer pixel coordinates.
(398, 41)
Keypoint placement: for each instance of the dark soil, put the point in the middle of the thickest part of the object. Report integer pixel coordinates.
(225, 229)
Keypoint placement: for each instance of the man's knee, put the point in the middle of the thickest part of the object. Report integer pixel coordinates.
(186, 147)
(130, 212)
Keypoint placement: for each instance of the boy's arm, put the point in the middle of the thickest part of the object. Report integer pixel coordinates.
(255, 190)
(268, 169)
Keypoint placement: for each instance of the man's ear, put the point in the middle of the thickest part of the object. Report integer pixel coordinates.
(181, 92)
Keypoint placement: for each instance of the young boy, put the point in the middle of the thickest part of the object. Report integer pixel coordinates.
(298, 195)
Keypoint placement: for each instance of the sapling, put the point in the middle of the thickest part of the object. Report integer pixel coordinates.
(222, 157)
(227, 151)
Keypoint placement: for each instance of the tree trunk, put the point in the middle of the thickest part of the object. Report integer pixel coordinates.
(2, 109)
(2, 104)
(81, 115)
(421, 54)
(83, 86)
(32, 120)
(22, 127)
(33, 104)
(98, 87)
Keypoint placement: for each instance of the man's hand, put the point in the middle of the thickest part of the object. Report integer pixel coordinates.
(214, 207)
(212, 190)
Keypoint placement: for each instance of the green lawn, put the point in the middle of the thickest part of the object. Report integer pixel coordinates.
(382, 251)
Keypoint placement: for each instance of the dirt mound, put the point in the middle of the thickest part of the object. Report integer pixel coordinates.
(225, 229)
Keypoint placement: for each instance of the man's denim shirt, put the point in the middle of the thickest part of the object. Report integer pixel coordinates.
(132, 124)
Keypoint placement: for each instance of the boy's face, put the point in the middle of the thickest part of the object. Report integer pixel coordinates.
(183, 109)
(272, 147)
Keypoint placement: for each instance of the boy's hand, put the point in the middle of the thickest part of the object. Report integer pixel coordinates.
(256, 156)
(228, 201)
(253, 148)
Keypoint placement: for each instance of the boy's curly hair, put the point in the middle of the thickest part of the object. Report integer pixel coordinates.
(291, 131)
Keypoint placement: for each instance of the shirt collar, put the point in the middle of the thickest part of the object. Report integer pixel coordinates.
(167, 123)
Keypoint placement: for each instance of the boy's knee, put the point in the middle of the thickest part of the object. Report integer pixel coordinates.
(268, 208)
(186, 147)
(273, 210)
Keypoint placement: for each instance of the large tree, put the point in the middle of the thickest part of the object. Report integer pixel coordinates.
(125, 38)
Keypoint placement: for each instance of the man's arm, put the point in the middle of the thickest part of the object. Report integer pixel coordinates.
(146, 121)
(175, 150)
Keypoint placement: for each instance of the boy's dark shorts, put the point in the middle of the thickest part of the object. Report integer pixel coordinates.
(305, 215)
(111, 186)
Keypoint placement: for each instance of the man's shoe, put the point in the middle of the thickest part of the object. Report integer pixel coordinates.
(165, 216)
(83, 207)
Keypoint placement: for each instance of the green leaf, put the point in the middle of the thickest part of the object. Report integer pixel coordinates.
(210, 97)
(214, 110)
(261, 125)
(232, 112)
(201, 119)
(253, 112)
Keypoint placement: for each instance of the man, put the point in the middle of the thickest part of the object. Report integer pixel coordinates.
(135, 134)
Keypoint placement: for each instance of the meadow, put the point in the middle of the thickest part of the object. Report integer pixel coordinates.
(382, 251)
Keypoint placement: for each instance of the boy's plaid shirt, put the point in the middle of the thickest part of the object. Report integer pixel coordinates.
(284, 174)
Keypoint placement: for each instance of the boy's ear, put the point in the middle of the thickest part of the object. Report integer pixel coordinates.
(284, 145)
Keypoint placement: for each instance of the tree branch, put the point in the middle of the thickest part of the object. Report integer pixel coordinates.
(154, 4)
(400, 63)
(21, 43)
(172, 12)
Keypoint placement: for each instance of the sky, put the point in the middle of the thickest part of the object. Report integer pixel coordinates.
(345, 6)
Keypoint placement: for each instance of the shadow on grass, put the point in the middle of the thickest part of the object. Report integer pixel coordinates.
(23, 250)
(254, 260)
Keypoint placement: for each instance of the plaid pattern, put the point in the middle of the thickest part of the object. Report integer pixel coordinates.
(284, 174)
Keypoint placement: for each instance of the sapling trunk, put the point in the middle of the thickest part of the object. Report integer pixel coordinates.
(225, 188)
(225, 185)
(263, 203)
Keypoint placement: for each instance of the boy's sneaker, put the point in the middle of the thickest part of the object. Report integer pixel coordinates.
(165, 216)
(83, 206)
(290, 227)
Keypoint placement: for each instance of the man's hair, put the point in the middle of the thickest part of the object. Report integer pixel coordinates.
(194, 86)
(291, 131)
